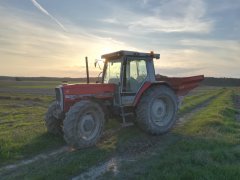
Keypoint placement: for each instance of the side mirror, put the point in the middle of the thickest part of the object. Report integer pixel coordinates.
(99, 78)
(96, 63)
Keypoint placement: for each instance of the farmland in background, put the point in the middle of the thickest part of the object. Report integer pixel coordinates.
(205, 142)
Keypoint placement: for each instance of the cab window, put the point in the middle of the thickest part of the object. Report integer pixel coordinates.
(136, 73)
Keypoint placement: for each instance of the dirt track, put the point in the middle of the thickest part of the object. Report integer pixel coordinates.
(135, 150)
(36, 158)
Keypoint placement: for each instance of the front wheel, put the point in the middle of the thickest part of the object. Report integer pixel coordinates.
(53, 124)
(83, 124)
(156, 111)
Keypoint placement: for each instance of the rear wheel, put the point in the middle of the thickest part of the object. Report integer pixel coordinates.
(83, 124)
(156, 111)
(53, 124)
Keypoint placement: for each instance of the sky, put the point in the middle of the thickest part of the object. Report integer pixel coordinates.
(53, 37)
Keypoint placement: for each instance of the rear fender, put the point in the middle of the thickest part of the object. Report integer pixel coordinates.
(145, 87)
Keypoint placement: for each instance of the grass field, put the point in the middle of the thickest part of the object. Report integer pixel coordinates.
(205, 146)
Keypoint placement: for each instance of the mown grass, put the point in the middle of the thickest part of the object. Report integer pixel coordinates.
(31, 84)
(69, 164)
(23, 135)
(191, 102)
(206, 147)
(22, 129)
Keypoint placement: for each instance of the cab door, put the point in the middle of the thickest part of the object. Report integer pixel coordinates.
(113, 75)
(135, 74)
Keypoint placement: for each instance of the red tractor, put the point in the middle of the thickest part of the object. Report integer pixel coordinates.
(128, 86)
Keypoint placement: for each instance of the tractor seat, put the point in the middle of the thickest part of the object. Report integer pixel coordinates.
(114, 81)
(132, 85)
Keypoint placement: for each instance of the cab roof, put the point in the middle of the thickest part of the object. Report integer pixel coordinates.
(118, 54)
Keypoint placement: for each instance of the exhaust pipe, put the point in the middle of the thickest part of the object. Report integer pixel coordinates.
(86, 59)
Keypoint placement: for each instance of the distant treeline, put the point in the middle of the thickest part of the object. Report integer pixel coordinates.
(64, 79)
(209, 81)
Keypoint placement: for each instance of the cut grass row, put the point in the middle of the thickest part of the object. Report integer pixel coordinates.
(22, 131)
(31, 84)
(192, 102)
(207, 147)
(72, 163)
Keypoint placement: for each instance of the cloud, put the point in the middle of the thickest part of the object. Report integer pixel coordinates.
(37, 5)
(110, 20)
(173, 16)
(156, 24)
(233, 45)
(222, 52)
(31, 48)
(222, 6)
(188, 62)
(179, 71)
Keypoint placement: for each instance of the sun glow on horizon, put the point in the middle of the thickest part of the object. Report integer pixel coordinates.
(41, 42)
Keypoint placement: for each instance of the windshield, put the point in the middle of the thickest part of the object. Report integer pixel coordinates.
(112, 73)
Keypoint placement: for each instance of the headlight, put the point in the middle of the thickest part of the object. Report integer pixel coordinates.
(59, 96)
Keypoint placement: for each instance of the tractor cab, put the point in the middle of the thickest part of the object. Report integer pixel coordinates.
(129, 71)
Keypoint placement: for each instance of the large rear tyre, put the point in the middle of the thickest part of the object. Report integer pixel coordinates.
(83, 124)
(156, 111)
(53, 124)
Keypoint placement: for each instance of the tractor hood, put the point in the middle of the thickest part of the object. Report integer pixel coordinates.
(72, 93)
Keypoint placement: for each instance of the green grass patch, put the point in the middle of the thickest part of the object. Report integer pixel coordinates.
(207, 147)
(62, 166)
(193, 101)
(31, 84)
(215, 117)
(22, 130)
(70, 164)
